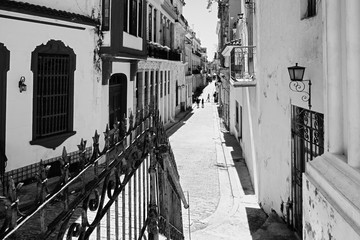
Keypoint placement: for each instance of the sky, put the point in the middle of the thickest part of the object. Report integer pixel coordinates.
(203, 22)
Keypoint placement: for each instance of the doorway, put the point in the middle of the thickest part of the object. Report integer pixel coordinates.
(307, 142)
(4, 67)
(117, 98)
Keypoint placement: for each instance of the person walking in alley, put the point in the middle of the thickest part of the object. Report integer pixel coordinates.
(208, 98)
(202, 103)
(197, 102)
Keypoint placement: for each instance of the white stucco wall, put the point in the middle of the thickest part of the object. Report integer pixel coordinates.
(279, 46)
(321, 219)
(21, 39)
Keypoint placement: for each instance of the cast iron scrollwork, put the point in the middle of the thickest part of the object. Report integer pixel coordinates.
(299, 86)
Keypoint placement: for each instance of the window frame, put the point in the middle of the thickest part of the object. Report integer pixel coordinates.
(133, 18)
(150, 23)
(57, 48)
(311, 8)
(106, 8)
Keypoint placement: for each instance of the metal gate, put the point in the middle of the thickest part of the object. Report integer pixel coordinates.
(307, 131)
(130, 189)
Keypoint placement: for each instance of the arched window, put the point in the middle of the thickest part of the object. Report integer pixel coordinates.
(53, 66)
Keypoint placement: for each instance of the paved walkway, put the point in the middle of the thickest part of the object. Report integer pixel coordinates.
(214, 174)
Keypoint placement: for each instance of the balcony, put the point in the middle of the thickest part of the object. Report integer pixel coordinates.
(156, 50)
(242, 79)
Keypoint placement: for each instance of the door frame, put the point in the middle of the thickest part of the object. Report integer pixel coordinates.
(118, 84)
(4, 68)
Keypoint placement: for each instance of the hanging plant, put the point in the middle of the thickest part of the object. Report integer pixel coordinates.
(99, 42)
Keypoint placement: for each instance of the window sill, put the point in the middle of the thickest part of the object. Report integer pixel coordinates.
(53, 141)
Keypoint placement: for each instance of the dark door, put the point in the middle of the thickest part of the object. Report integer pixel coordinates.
(117, 98)
(307, 133)
(4, 67)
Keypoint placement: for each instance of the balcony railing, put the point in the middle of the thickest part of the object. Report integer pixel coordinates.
(128, 188)
(243, 79)
(156, 50)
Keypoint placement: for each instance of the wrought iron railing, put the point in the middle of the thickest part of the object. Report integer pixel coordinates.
(128, 190)
(156, 50)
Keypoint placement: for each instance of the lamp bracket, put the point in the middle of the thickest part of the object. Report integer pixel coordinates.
(299, 86)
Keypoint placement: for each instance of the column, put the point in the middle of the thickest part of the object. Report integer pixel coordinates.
(352, 17)
(334, 78)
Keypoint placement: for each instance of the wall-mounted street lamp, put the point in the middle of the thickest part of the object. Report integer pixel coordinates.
(297, 83)
(22, 85)
(250, 4)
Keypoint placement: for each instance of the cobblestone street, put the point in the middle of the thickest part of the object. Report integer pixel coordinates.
(223, 204)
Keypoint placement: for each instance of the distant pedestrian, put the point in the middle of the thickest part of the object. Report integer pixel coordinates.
(202, 102)
(197, 102)
(208, 98)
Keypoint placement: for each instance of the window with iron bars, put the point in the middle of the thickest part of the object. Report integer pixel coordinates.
(52, 95)
(53, 66)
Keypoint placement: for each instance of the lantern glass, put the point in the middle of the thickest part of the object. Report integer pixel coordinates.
(296, 72)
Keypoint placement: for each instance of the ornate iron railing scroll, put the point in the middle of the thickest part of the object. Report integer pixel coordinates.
(113, 195)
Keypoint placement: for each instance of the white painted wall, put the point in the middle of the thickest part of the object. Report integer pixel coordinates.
(322, 219)
(332, 197)
(279, 46)
(21, 39)
(133, 42)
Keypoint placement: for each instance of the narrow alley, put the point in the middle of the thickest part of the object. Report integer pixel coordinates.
(214, 176)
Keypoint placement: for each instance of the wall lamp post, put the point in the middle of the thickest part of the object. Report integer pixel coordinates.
(22, 85)
(297, 83)
(250, 4)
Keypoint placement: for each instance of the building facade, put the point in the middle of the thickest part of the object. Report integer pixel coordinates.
(303, 134)
(41, 76)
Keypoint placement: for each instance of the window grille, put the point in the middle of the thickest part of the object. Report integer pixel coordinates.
(52, 95)
(307, 132)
